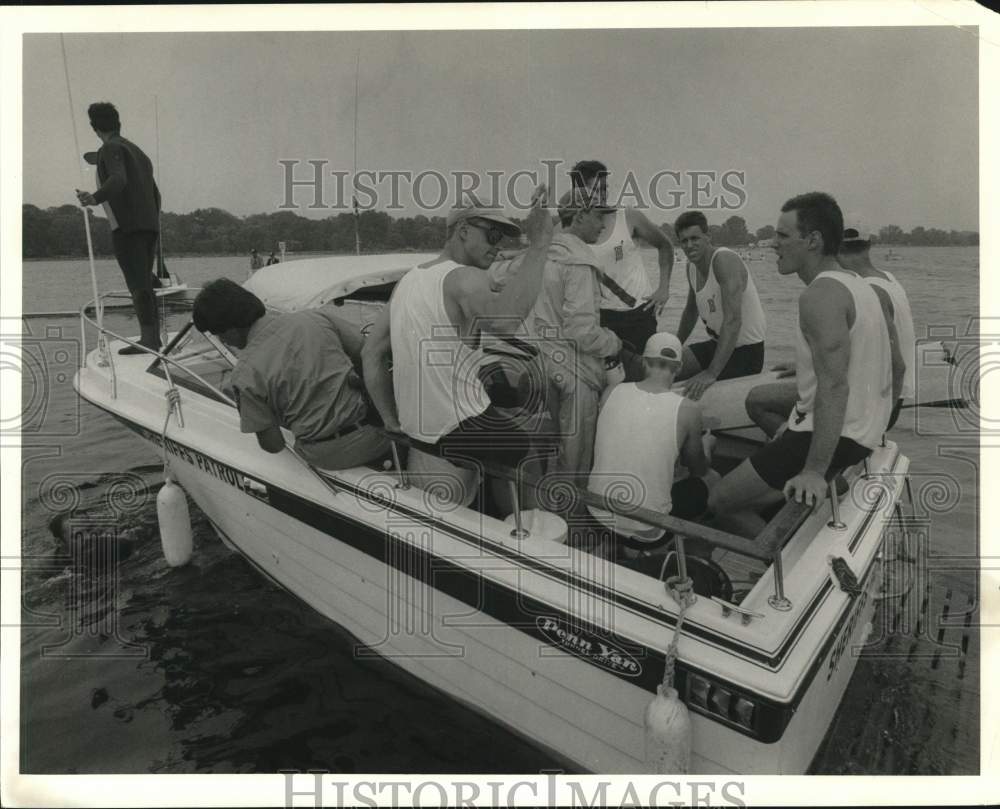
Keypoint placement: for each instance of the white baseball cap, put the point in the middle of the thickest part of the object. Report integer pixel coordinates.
(665, 346)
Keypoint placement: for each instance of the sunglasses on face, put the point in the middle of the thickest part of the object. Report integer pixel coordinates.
(493, 234)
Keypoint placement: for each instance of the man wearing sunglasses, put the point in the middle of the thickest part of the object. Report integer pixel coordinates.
(431, 329)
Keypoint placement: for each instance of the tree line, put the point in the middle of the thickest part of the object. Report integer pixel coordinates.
(59, 232)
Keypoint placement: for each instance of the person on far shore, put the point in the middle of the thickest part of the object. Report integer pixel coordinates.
(272, 259)
(256, 261)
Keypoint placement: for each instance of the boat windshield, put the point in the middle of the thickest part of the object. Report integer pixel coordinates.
(195, 361)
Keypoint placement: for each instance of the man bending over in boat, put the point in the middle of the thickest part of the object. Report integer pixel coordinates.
(300, 371)
(643, 428)
(431, 329)
(849, 372)
(566, 322)
(722, 292)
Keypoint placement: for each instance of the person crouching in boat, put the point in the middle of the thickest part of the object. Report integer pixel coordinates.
(849, 372)
(431, 329)
(300, 371)
(721, 291)
(642, 430)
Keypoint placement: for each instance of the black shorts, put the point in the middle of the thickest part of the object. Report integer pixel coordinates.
(780, 460)
(744, 361)
(493, 437)
(689, 498)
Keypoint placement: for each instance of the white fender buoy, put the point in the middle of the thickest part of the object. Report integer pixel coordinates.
(668, 733)
(175, 524)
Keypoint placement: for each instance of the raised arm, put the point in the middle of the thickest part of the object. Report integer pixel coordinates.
(823, 318)
(376, 353)
(640, 226)
(732, 277)
(503, 311)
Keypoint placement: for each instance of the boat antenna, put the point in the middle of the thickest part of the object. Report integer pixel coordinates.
(98, 306)
(354, 178)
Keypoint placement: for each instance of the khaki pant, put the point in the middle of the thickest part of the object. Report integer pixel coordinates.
(363, 446)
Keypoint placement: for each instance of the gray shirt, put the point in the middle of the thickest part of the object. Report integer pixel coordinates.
(300, 371)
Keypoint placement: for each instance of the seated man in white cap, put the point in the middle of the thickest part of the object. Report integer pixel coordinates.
(642, 431)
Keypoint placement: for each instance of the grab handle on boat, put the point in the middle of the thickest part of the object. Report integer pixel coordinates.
(519, 532)
(746, 616)
(778, 600)
(835, 522)
(404, 483)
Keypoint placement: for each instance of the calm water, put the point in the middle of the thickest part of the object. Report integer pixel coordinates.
(210, 668)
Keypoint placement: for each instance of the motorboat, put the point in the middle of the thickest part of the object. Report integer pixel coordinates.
(543, 633)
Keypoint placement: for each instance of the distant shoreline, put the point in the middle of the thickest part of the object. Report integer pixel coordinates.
(288, 256)
(318, 253)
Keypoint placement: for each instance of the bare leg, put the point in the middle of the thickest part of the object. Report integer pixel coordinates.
(738, 496)
(769, 405)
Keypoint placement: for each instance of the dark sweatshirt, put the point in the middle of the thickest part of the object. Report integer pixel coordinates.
(127, 184)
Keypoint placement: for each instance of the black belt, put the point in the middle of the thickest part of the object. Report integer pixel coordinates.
(343, 431)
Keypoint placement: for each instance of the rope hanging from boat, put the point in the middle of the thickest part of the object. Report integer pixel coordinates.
(173, 403)
(667, 723)
(681, 592)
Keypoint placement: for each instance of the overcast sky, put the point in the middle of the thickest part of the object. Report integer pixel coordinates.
(884, 119)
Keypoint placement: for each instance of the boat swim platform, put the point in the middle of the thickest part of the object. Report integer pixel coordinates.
(912, 705)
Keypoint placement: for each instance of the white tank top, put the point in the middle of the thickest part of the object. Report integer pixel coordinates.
(634, 454)
(620, 258)
(709, 299)
(434, 374)
(903, 318)
(869, 373)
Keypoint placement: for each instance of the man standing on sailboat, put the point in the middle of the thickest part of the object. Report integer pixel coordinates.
(132, 202)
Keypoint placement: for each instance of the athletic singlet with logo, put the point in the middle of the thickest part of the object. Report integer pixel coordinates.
(434, 373)
(869, 373)
(634, 454)
(903, 318)
(709, 300)
(619, 257)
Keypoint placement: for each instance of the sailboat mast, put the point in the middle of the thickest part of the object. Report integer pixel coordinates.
(354, 198)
